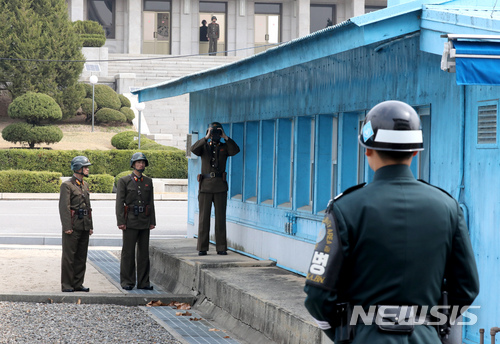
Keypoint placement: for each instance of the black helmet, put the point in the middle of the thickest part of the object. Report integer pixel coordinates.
(214, 17)
(137, 157)
(78, 162)
(392, 126)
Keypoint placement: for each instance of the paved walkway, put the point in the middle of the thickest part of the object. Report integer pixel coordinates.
(32, 273)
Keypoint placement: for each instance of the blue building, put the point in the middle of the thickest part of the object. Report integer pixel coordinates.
(295, 111)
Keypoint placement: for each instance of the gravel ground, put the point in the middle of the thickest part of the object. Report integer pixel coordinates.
(71, 323)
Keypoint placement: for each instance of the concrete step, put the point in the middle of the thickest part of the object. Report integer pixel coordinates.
(254, 299)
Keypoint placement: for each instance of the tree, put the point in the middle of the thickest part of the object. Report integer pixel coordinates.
(35, 109)
(40, 30)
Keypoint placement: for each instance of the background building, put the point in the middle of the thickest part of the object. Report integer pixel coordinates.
(247, 26)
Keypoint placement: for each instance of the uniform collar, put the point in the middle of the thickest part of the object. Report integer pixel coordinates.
(393, 171)
(76, 180)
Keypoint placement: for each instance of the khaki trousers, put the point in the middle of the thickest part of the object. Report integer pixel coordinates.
(74, 259)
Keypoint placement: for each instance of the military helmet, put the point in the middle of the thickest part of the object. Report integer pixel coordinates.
(392, 126)
(78, 162)
(214, 17)
(137, 157)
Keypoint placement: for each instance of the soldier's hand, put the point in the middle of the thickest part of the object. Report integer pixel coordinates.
(69, 231)
(91, 232)
(209, 133)
(151, 227)
(223, 134)
(122, 227)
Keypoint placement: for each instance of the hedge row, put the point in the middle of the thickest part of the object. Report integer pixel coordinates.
(48, 182)
(162, 164)
(31, 182)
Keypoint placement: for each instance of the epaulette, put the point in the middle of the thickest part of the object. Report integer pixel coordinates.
(434, 186)
(349, 190)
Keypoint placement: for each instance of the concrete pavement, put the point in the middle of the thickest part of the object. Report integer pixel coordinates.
(254, 300)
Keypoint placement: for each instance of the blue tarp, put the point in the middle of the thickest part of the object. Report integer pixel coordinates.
(477, 71)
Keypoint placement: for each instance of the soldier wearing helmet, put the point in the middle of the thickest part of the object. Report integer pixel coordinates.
(135, 216)
(390, 245)
(76, 220)
(213, 34)
(213, 185)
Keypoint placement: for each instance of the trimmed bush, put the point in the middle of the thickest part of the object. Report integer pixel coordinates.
(87, 106)
(110, 116)
(88, 91)
(125, 101)
(129, 113)
(28, 181)
(69, 99)
(122, 174)
(35, 107)
(91, 33)
(106, 97)
(100, 183)
(123, 139)
(134, 144)
(27, 133)
(162, 164)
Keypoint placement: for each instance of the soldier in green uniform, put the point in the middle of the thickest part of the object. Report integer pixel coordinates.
(213, 36)
(135, 216)
(213, 185)
(76, 220)
(389, 244)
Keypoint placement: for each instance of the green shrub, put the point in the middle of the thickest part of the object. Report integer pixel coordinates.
(106, 97)
(69, 99)
(100, 183)
(34, 108)
(88, 91)
(123, 139)
(110, 116)
(91, 33)
(129, 113)
(134, 144)
(27, 133)
(29, 182)
(162, 164)
(122, 174)
(125, 101)
(87, 106)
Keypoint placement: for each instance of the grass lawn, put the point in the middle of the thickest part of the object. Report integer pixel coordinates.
(77, 135)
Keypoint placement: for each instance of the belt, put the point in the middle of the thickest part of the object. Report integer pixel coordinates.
(213, 175)
(372, 317)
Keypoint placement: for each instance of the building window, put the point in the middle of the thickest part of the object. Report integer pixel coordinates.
(236, 175)
(266, 168)
(326, 160)
(284, 163)
(157, 5)
(369, 9)
(103, 12)
(251, 158)
(304, 166)
(322, 16)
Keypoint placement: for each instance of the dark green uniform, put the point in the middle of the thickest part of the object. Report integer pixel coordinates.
(135, 192)
(74, 200)
(213, 189)
(400, 238)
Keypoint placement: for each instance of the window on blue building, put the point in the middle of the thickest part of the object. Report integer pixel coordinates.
(304, 163)
(284, 163)
(236, 175)
(326, 153)
(266, 167)
(251, 157)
